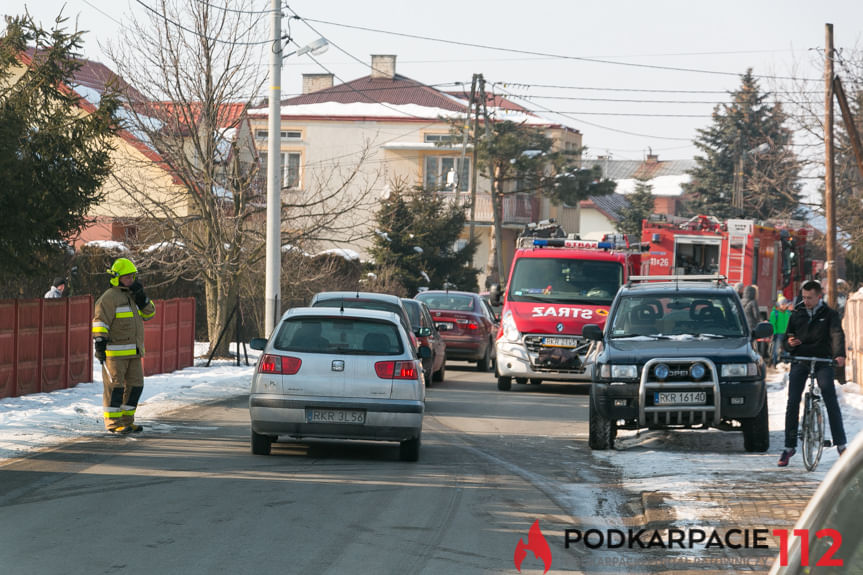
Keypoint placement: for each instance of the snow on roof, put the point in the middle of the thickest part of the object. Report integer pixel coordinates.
(108, 245)
(164, 246)
(384, 110)
(342, 252)
(661, 185)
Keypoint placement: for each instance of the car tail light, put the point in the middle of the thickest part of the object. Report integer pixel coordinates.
(472, 325)
(396, 370)
(279, 364)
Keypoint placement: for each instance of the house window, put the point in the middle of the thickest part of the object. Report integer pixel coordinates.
(290, 168)
(291, 165)
(441, 173)
(439, 138)
(285, 134)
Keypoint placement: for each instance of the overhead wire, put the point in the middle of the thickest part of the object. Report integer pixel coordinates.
(595, 125)
(198, 34)
(553, 55)
(339, 48)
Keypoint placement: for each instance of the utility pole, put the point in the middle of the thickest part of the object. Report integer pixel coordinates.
(496, 192)
(273, 288)
(467, 128)
(829, 178)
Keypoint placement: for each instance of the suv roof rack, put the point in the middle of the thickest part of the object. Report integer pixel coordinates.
(719, 279)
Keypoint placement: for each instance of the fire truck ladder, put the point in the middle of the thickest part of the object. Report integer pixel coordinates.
(736, 257)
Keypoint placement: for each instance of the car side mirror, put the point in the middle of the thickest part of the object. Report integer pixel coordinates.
(423, 331)
(762, 330)
(494, 294)
(258, 343)
(593, 332)
(424, 351)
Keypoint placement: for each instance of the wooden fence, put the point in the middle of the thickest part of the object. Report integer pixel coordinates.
(46, 344)
(852, 323)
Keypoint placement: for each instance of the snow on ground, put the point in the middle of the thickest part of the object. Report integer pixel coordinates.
(40, 420)
(687, 464)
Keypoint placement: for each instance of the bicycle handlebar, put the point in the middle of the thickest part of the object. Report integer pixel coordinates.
(791, 358)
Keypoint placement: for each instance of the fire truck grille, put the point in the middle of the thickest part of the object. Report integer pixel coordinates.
(552, 353)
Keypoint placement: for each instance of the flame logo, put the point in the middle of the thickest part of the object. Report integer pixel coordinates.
(535, 542)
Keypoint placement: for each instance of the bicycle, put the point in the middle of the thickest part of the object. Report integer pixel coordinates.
(812, 427)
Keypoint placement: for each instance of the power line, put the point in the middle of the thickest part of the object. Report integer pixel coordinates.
(203, 36)
(600, 126)
(649, 90)
(369, 98)
(234, 10)
(553, 55)
(102, 12)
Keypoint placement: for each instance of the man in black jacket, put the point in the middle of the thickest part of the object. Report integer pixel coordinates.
(813, 330)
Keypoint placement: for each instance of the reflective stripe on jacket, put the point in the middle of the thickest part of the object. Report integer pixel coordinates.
(118, 319)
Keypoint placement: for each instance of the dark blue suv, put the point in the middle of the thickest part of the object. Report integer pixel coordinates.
(677, 354)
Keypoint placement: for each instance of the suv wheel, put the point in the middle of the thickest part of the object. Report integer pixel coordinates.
(261, 444)
(504, 383)
(602, 431)
(756, 431)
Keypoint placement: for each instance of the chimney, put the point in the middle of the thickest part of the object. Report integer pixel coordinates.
(651, 157)
(383, 66)
(316, 82)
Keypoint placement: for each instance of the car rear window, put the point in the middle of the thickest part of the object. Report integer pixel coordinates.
(450, 302)
(339, 335)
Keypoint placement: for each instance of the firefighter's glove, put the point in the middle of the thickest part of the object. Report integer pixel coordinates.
(141, 299)
(100, 344)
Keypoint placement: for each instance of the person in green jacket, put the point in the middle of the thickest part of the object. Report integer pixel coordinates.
(779, 320)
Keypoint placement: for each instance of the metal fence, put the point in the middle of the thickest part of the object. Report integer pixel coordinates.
(46, 344)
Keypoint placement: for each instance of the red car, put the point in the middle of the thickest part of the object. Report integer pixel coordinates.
(427, 334)
(466, 322)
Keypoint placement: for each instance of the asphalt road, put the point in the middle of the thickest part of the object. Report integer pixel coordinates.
(188, 497)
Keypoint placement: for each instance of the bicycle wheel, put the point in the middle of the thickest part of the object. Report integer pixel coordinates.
(813, 434)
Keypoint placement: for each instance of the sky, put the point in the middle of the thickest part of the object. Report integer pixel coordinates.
(632, 76)
(45, 420)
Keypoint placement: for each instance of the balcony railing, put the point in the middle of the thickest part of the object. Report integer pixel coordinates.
(517, 208)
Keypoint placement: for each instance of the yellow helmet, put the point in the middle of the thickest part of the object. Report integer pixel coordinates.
(121, 267)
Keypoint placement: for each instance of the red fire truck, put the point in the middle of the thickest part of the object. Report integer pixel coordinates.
(769, 256)
(557, 284)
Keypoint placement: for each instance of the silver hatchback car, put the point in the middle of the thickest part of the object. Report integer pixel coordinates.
(338, 373)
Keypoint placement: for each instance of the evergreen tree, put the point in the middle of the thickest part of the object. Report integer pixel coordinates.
(54, 155)
(639, 207)
(749, 135)
(416, 235)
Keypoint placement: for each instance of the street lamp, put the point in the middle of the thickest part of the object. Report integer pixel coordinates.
(272, 288)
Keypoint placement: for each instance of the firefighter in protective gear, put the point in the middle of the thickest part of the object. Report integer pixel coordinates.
(118, 332)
